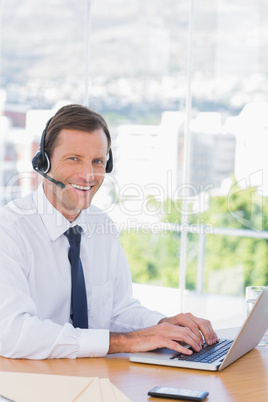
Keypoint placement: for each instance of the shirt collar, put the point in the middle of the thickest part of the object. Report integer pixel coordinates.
(55, 223)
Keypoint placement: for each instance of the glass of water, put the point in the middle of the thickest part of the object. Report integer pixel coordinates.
(252, 294)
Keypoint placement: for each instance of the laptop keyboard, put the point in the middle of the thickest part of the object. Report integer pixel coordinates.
(208, 354)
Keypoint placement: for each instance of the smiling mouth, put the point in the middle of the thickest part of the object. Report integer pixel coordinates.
(83, 188)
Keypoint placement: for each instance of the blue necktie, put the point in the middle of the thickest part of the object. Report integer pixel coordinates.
(78, 296)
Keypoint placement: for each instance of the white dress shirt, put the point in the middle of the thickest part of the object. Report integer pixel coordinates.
(35, 283)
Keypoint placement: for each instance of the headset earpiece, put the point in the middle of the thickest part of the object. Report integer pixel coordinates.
(41, 161)
(109, 163)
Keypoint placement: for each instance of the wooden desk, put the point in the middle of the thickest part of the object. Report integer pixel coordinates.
(244, 380)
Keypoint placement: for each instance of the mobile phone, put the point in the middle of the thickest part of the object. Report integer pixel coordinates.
(178, 393)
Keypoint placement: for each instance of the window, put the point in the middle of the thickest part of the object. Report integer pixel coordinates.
(183, 88)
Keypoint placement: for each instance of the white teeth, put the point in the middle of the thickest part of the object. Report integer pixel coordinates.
(80, 187)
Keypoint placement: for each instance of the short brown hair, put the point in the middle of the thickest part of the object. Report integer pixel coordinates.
(75, 117)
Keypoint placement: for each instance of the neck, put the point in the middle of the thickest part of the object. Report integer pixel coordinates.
(55, 198)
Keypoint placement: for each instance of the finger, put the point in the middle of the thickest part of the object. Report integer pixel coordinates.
(171, 332)
(179, 348)
(188, 321)
(206, 329)
(188, 337)
(208, 332)
(192, 340)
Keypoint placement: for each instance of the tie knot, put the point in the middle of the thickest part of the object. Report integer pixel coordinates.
(73, 234)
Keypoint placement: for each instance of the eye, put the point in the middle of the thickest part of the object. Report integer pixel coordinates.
(73, 158)
(98, 161)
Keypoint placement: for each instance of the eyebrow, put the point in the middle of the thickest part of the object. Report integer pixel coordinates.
(82, 156)
(73, 154)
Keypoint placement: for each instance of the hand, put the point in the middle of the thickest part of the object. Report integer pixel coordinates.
(164, 334)
(197, 325)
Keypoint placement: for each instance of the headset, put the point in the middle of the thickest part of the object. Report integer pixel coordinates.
(41, 162)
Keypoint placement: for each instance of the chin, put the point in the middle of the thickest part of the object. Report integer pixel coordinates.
(85, 204)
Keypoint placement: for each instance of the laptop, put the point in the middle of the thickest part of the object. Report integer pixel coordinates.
(220, 355)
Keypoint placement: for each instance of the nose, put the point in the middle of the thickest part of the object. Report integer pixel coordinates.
(86, 172)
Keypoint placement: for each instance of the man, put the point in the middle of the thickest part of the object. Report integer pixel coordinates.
(36, 307)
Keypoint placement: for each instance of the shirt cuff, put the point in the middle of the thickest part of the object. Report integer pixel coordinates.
(94, 343)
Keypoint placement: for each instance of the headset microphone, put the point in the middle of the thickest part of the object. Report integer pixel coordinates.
(58, 183)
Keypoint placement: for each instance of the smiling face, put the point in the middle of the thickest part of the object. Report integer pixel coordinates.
(78, 161)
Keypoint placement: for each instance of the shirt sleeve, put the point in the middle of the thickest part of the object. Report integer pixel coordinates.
(128, 313)
(22, 333)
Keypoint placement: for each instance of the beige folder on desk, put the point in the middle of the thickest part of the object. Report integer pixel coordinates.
(27, 387)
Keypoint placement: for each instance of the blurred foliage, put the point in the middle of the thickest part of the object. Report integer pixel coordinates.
(231, 262)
